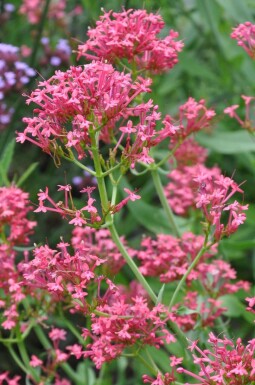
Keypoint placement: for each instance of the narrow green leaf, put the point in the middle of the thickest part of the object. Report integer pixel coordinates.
(27, 174)
(5, 162)
(160, 294)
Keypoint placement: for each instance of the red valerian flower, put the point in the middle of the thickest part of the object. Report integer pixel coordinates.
(127, 324)
(213, 196)
(225, 363)
(76, 104)
(245, 36)
(132, 35)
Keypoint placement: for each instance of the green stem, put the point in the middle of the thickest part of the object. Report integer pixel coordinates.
(131, 263)
(101, 375)
(39, 33)
(25, 357)
(164, 202)
(152, 370)
(17, 360)
(183, 279)
(111, 227)
(79, 164)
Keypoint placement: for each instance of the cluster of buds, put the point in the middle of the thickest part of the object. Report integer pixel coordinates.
(132, 35)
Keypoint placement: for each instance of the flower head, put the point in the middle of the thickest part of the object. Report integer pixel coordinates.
(245, 36)
(132, 35)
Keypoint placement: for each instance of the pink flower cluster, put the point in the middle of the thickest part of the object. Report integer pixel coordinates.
(193, 116)
(15, 229)
(6, 380)
(216, 279)
(245, 36)
(86, 215)
(189, 153)
(225, 363)
(168, 257)
(213, 197)
(33, 10)
(182, 190)
(14, 207)
(132, 35)
(73, 105)
(248, 122)
(64, 275)
(100, 243)
(128, 325)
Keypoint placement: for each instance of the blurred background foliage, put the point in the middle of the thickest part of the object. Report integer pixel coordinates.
(211, 67)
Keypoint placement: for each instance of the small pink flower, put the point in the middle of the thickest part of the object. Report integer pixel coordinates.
(35, 361)
(78, 220)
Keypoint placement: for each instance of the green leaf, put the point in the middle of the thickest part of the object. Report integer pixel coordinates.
(235, 308)
(228, 142)
(235, 9)
(160, 294)
(26, 174)
(5, 163)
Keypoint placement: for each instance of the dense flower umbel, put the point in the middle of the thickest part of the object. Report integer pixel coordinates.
(181, 191)
(132, 35)
(14, 207)
(213, 196)
(76, 103)
(128, 325)
(224, 363)
(168, 257)
(189, 153)
(15, 229)
(64, 275)
(245, 36)
(99, 242)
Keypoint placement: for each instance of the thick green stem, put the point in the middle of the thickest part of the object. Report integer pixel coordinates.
(164, 202)
(112, 229)
(25, 357)
(17, 360)
(191, 267)
(131, 263)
